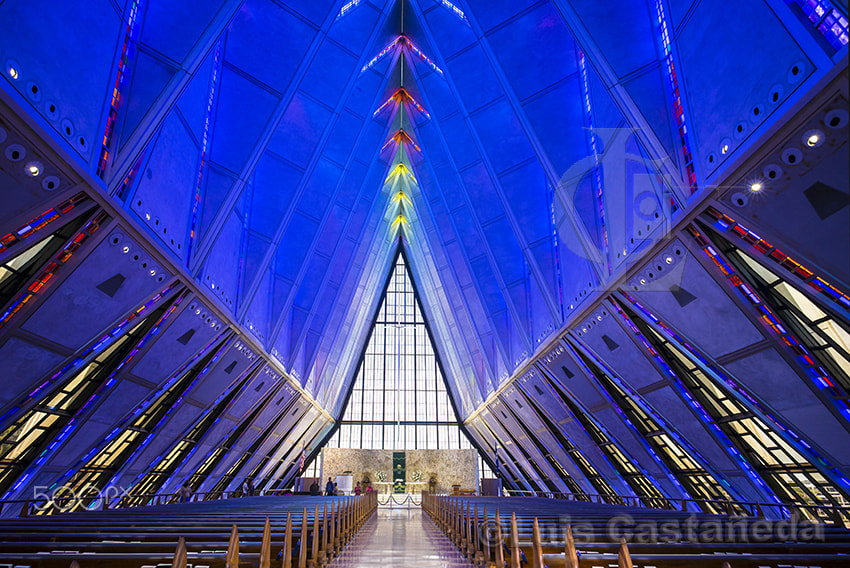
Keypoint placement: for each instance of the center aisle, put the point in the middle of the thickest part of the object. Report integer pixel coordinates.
(400, 538)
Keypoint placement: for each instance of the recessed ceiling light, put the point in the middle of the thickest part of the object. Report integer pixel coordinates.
(813, 138)
(34, 169)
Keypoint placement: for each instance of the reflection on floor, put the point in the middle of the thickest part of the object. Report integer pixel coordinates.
(400, 538)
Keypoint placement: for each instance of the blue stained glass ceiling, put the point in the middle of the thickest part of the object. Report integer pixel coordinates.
(531, 159)
(308, 137)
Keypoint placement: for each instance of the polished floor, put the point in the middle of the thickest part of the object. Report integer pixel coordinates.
(400, 538)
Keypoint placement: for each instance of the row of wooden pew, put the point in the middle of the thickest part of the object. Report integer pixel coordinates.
(537, 532)
(291, 531)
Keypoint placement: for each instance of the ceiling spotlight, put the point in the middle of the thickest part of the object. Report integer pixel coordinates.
(34, 169)
(724, 148)
(756, 186)
(13, 73)
(642, 281)
(813, 138)
(669, 260)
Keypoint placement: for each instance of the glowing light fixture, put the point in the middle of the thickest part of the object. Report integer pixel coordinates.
(401, 40)
(399, 220)
(813, 138)
(382, 53)
(401, 137)
(400, 169)
(34, 169)
(13, 72)
(401, 197)
(401, 96)
(724, 149)
(422, 56)
(756, 186)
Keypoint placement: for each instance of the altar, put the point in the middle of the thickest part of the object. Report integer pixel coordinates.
(403, 471)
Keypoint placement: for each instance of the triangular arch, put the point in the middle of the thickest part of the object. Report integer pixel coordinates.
(399, 398)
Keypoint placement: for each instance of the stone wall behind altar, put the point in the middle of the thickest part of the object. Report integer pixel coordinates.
(451, 467)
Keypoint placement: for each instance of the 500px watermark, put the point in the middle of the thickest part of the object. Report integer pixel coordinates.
(690, 529)
(65, 498)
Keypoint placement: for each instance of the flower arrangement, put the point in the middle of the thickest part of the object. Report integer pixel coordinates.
(381, 476)
(416, 476)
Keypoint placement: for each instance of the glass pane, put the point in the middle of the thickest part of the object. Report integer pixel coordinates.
(399, 390)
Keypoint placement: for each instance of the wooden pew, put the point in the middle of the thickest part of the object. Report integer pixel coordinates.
(216, 533)
(528, 547)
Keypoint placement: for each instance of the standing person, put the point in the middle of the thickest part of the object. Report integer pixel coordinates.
(185, 492)
(314, 488)
(369, 488)
(329, 487)
(250, 487)
(357, 489)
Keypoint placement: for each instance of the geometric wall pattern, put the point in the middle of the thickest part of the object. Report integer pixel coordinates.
(629, 242)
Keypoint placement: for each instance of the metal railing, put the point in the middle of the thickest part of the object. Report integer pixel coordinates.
(819, 513)
(404, 501)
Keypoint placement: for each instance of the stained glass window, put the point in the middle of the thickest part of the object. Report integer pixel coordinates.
(399, 400)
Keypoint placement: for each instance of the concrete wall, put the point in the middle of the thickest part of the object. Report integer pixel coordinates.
(449, 467)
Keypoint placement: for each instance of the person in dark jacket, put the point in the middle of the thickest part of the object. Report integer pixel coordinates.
(329, 487)
(314, 488)
(185, 492)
